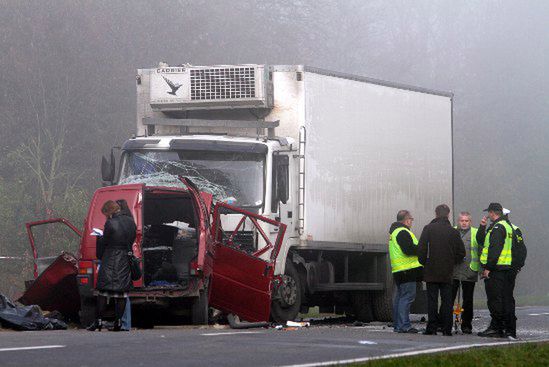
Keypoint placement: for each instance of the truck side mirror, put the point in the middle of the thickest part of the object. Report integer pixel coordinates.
(108, 168)
(280, 187)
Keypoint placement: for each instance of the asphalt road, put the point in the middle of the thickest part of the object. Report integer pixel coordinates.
(200, 346)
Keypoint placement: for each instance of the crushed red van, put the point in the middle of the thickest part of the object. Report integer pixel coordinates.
(194, 255)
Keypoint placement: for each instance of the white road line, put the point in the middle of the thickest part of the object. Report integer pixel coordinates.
(32, 348)
(366, 342)
(233, 333)
(414, 353)
(538, 314)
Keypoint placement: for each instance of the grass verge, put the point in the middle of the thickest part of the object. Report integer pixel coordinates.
(524, 355)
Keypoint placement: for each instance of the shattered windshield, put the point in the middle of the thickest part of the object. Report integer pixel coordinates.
(232, 177)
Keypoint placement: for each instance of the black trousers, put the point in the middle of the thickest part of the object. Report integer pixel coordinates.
(442, 317)
(468, 291)
(501, 303)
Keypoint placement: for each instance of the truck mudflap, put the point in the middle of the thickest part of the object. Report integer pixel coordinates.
(242, 279)
(55, 288)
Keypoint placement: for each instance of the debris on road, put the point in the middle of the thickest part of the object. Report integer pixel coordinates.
(27, 318)
(298, 324)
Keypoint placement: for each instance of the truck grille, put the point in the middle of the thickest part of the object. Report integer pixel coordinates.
(223, 83)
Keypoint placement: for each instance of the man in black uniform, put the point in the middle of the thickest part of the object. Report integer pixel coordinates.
(499, 271)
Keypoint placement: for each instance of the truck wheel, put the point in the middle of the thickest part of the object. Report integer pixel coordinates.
(287, 306)
(382, 303)
(87, 311)
(362, 306)
(200, 309)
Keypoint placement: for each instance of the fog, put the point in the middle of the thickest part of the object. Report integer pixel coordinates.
(67, 88)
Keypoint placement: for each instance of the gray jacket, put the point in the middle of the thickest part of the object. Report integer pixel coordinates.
(462, 271)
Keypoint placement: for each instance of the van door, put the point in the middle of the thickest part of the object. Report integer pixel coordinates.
(242, 278)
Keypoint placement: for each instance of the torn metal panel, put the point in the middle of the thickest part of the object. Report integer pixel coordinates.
(55, 288)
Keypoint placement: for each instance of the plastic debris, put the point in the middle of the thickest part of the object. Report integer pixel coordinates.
(297, 324)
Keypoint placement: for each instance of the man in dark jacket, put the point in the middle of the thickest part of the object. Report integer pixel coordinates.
(466, 273)
(406, 270)
(440, 248)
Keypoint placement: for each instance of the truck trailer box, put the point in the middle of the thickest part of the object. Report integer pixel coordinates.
(368, 147)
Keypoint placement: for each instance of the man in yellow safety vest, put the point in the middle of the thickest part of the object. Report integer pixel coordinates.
(407, 271)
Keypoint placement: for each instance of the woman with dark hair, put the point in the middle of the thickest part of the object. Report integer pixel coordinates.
(114, 278)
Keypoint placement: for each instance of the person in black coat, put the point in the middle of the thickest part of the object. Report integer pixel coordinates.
(114, 278)
(440, 248)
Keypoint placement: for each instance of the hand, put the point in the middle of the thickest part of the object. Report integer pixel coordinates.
(485, 274)
(484, 221)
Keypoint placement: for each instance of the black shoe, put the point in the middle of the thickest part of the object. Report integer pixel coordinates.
(510, 335)
(409, 331)
(467, 330)
(446, 333)
(97, 325)
(429, 332)
(491, 333)
(116, 325)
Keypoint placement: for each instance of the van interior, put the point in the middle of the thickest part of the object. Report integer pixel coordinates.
(170, 240)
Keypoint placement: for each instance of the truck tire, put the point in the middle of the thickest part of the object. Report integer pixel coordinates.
(382, 304)
(200, 309)
(287, 306)
(362, 306)
(87, 311)
(382, 301)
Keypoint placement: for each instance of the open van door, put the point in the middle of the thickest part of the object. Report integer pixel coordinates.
(241, 282)
(54, 285)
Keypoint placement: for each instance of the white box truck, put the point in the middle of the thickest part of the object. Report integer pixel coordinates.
(333, 156)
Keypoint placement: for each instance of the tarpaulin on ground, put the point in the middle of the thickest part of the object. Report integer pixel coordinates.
(26, 317)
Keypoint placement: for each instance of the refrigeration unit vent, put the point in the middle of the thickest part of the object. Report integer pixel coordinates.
(211, 87)
(223, 83)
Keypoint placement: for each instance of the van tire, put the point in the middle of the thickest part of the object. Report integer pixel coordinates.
(87, 311)
(287, 307)
(200, 309)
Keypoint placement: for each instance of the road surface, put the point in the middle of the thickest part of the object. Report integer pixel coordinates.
(199, 346)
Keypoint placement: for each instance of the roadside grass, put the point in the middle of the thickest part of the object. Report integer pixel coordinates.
(524, 355)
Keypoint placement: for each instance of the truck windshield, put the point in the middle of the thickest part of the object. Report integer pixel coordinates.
(232, 177)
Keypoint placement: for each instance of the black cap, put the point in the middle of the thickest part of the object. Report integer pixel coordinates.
(494, 206)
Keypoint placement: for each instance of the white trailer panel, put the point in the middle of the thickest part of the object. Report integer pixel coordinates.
(371, 150)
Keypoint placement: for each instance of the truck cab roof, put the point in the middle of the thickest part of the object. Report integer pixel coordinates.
(209, 142)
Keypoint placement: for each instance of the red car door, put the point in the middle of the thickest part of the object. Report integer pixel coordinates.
(242, 277)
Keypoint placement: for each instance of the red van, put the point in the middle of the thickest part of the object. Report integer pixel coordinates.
(191, 258)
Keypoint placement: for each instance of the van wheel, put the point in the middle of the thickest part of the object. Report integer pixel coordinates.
(87, 311)
(287, 305)
(200, 309)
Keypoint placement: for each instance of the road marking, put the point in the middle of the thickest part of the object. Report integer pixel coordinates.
(414, 353)
(538, 314)
(366, 342)
(32, 348)
(233, 333)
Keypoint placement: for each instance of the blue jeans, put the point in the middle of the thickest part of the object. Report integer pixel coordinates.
(405, 294)
(127, 318)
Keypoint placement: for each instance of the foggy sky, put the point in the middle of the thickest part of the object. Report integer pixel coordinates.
(493, 55)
